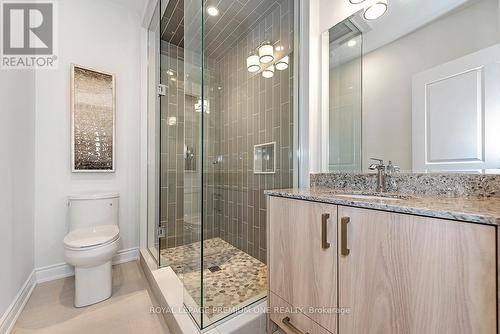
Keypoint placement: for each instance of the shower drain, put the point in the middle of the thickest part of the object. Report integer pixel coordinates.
(214, 269)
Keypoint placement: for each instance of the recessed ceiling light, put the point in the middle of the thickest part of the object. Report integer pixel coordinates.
(212, 11)
(376, 10)
(352, 43)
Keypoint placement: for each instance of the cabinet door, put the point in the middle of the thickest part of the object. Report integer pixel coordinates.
(409, 274)
(303, 270)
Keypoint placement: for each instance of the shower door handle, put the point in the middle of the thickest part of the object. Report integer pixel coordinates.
(324, 230)
(287, 323)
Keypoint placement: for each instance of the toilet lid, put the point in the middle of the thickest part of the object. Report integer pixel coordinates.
(91, 236)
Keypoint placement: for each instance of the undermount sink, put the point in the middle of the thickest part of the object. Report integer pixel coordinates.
(375, 197)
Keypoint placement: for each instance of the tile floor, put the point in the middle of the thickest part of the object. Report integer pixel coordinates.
(50, 308)
(240, 280)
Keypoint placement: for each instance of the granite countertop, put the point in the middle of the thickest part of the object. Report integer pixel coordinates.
(484, 210)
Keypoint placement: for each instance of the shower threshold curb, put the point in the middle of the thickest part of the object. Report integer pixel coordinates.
(169, 292)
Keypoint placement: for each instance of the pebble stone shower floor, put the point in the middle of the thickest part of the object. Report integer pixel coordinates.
(241, 277)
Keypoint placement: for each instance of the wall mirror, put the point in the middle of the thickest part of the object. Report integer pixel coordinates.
(418, 86)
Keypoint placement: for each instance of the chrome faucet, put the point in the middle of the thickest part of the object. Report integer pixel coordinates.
(381, 172)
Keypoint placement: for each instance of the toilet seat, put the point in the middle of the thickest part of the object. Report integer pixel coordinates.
(91, 237)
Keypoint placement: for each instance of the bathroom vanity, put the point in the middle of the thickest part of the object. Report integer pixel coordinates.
(400, 233)
(346, 262)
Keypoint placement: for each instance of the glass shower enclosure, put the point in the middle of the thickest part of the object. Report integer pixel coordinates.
(222, 128)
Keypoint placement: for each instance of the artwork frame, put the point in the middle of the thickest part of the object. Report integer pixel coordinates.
(93, 109)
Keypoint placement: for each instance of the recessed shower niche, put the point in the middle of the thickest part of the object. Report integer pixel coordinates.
(264, 158)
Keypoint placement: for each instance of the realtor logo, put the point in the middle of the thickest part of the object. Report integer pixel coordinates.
(28, 35)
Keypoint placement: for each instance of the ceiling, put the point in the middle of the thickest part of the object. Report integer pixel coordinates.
(402, 18)
(235, 20)
(406, 16)
(172, 23)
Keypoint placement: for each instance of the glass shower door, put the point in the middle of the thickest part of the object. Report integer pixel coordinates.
(153, 137)
(226, 135)
(194, 113)
(248, 143)
(181, 146)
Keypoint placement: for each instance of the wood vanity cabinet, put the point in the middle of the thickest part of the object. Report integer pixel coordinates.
(396, 273)
(303, 260)
(410, 274)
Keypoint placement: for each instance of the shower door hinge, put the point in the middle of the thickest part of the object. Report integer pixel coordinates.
(161, 232)
(162, 90)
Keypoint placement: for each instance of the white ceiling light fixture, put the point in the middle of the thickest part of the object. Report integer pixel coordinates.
(352, 43)
(253, 63)
(282, 64)
(268, 72)
(266, 53)
(212, 11)
(355, 2)
(376, 10)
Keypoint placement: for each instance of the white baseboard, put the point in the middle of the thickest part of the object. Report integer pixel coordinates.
(53, 272)
(62, 270)
(45, 274)
(126, 255)
(10, 316)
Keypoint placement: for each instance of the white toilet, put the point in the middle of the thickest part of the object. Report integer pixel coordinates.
(91, 243)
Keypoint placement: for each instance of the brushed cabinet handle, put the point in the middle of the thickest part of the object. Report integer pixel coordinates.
(344, 250)
(324, 230)
(286, 322)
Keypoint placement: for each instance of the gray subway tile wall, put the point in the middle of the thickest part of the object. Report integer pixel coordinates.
(254, 110)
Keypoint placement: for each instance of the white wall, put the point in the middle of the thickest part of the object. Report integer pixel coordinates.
(102, 35)
(17, 141)
(388, 72)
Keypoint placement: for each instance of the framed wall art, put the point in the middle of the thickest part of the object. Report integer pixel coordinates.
(92, 120)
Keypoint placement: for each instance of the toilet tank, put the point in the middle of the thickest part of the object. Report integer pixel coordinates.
(87, 210)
